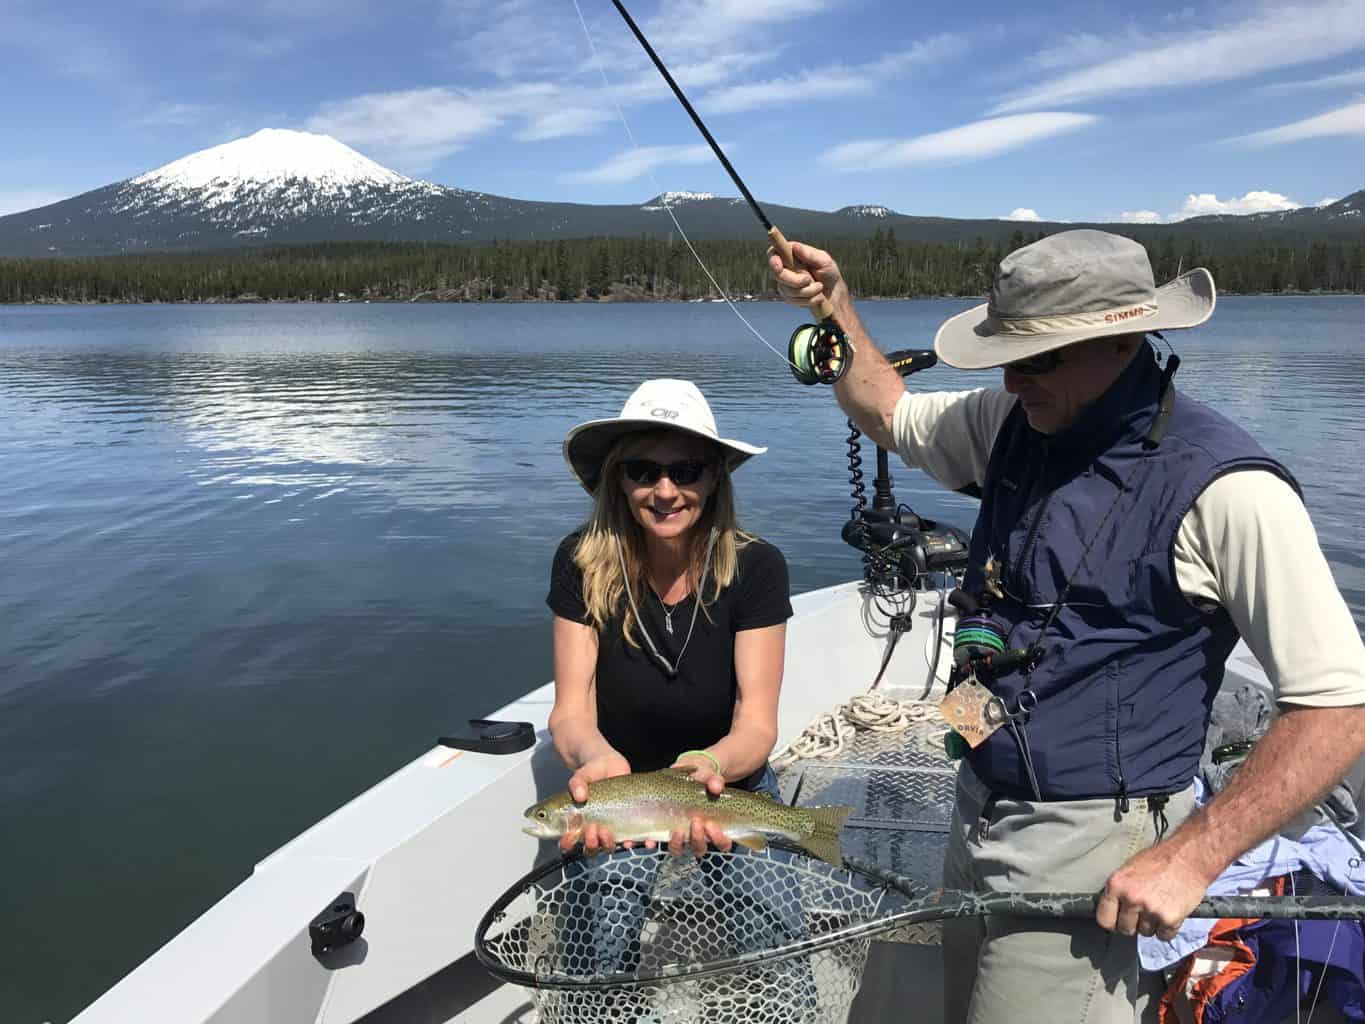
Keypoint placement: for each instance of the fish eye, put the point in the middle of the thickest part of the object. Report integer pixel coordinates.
(542, 813)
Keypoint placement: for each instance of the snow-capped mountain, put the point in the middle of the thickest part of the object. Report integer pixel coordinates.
(277, 179)
(273, 187)
(283, 170)
(280, 187)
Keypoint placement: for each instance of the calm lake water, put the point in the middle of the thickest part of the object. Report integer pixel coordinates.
(256, 557)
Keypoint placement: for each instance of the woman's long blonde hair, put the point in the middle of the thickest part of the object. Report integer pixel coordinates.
(613, 529)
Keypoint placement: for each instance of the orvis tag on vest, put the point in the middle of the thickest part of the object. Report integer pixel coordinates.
(965, 710)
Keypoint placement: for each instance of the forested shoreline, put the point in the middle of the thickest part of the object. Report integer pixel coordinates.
(614, 269)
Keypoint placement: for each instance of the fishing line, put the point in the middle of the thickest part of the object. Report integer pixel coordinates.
(663, 198)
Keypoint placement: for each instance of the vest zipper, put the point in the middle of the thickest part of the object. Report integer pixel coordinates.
(1032, 534)
(1121, 803)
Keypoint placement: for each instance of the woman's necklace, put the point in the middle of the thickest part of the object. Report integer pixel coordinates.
(669, 609)
(671, 667)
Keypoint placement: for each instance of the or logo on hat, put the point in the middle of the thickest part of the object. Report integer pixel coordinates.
(664, 414)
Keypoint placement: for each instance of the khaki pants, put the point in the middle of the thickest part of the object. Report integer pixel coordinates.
(1025, 970)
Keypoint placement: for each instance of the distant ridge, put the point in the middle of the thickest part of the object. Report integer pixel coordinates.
(280, 187)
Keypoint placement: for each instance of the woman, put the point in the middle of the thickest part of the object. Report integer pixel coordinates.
(670, 621)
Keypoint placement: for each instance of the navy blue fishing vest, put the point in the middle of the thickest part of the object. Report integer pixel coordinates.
(1129, 667)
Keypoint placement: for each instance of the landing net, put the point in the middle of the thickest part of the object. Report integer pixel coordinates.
(642, 935)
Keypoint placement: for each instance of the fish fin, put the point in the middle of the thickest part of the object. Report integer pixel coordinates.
(823, 842)
(826, 847)
(829, 818)
(753, 842)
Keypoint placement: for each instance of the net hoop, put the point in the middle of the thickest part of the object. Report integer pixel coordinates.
(873, 890)
(889, 903)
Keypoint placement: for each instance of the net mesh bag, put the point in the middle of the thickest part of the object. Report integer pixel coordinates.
(640, 935)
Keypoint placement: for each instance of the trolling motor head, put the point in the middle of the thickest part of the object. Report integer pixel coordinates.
(819, 353)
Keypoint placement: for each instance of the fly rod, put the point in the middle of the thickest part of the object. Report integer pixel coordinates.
(817, 353)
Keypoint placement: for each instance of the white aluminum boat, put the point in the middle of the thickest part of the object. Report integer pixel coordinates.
(427, 850)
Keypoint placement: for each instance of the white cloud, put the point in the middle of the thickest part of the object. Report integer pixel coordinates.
(829, 82)
(1327, 202)
(701, 24)
(1347, 120)
(1077, 48)
(973, 141)
(645, 85)
(1345, 79)
(634, 163)
(558, 123)
(1273, 37)
(21, 200)
(934, 50)
(413, 128)
(750, 95)
(1022, 213)
(1205, 203)
(514, 39)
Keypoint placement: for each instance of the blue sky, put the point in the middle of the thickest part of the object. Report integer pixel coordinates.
(1076, 111)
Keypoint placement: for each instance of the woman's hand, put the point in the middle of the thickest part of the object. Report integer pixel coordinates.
(596, 838)
(701, 830)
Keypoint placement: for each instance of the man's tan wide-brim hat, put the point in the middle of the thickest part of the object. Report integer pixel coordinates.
(654, 405)
(1067, 288)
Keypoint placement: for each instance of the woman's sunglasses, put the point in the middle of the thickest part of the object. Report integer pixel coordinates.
(1038, 365)
(647, 472)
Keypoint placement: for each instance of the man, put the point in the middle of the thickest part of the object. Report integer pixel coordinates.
(1128, 535)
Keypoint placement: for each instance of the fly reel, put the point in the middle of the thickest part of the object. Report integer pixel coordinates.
(819, 353)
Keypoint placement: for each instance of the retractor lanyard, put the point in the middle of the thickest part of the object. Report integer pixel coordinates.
(671, 667)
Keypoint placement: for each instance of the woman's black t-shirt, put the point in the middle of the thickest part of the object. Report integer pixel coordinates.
(644, 714)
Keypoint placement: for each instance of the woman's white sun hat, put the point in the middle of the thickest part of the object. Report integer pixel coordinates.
(655, 404)
(1066, 288)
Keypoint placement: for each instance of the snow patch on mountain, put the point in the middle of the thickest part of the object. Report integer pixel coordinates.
(876, 212)
(677, 199)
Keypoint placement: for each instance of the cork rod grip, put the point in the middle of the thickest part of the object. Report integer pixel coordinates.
(821, 307)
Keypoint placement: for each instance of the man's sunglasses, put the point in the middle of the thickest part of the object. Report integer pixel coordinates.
(1037, 365)
(647, 472)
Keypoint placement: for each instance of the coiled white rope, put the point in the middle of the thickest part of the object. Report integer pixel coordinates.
(830, 733)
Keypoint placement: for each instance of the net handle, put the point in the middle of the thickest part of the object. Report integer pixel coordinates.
(946, 903)
(924, 906)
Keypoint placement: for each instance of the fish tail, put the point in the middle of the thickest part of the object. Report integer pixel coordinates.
(823, 842)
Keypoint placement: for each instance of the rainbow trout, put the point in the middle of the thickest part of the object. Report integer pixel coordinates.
(650, 805)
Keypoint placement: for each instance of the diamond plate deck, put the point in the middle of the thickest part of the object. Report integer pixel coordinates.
(900, 786)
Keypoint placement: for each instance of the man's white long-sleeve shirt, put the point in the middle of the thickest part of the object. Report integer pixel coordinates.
(1246, 544)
